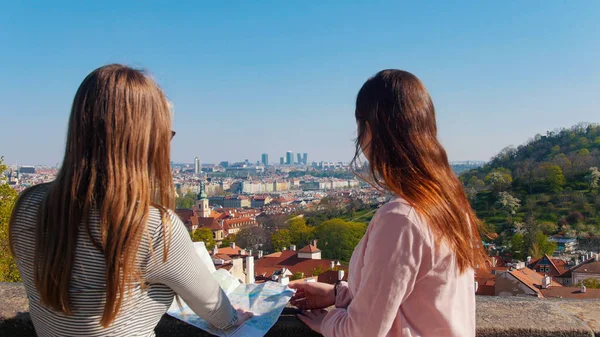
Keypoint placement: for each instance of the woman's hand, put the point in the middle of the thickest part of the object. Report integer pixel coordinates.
(313, 319)
(312, 295)
(243, 316)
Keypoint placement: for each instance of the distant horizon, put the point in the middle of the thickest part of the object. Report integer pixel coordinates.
(251, 161)
(216, 164)
(255, 78)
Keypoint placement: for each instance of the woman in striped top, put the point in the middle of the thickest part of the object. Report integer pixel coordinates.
(99, 250)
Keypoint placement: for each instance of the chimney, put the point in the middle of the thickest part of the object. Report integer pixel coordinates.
(583, 289)
(284, 280)
(232, 245)
(215, 250)
(260, 254)
(494, 262)
(293, 248)
(528, 260)
(250, 252)
(596, 257)
(476, 286)
(332, 264)
(340, 275)
(240, 252)
(284, 249)
(250, 270)
(546, 280)
(315, 243)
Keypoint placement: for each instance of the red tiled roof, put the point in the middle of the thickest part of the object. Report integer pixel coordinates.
(309, 249)
(592, 267)
(276, 254)
(290, 260)
(222, 256)
(558, 266)
(210, 223)
(570, 292)
(237, 221)
(331, 276)
(532, 279)
(184, 214)
(224, 266)
(486, 280)
(229, 251)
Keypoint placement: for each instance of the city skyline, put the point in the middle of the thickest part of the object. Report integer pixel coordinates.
(256, 78)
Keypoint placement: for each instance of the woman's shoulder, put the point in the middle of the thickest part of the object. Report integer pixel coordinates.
(35, 192)
(398, 206)
(161, 218)
(31, 198)
(399, 215)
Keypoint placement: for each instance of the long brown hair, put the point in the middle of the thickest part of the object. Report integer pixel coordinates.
(117, 162)
(406, 158)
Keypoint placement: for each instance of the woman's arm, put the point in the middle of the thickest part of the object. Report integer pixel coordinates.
(187, 275)
(392, 260)
(343, 296)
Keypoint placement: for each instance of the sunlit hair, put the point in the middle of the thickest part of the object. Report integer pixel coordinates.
(117, 162)
(406, 158)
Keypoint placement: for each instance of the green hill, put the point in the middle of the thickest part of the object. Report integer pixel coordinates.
(545, 187)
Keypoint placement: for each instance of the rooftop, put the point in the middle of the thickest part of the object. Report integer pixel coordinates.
(591, 267)
(309, 249)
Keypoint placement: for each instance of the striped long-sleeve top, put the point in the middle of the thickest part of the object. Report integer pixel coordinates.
(183, 273)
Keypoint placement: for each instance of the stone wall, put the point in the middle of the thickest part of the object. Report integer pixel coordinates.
(496, 317)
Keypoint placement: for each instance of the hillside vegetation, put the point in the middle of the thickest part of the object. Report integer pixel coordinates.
(545, 187)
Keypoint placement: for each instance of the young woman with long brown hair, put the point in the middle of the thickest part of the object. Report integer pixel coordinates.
(412, 273)
(99, 250)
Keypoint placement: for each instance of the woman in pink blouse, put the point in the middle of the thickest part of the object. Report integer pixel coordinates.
(412, 272)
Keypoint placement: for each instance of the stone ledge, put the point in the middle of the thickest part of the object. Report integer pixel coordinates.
(496, 317)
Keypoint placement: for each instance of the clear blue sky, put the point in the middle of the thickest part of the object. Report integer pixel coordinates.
(248, 78)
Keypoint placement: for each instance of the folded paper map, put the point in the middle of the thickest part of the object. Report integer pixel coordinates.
(266, 301)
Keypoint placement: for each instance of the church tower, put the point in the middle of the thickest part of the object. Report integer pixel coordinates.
(202, 202)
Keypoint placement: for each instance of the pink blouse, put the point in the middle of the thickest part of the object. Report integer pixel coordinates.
(400, 284)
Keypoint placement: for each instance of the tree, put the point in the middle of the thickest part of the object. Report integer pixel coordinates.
(563, 162)
(499, 179)
(228, 240)
(542, 246)
(317, 271)
(271, 223)
(509, 204)
(471, 194)
(301, 234)
(297, 276)
(555, 179)
(281, 239)
(548, 227)
(590, 283)
(252, 238)
(476, 183)
(186, 202)
(338, 238)
(517, 246)
(592, 178)
(205, 235)
(8, 197)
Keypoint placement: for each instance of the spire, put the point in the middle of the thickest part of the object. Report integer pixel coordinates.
(202, 195)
